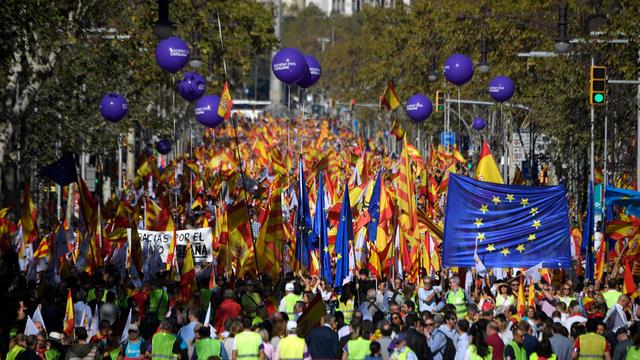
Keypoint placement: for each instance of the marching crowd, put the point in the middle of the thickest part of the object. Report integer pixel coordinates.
(439, 318)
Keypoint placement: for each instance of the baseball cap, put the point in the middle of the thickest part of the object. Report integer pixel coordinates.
(291, 325)
(133, 327)
(400, 337)
(289, 287)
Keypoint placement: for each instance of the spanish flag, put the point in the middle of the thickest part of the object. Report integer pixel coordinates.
(520, 300)
(389, 98)
(69, 322)
(487, 169)
(629, 286)
(226, 103)
(188, 275)
(397, 131)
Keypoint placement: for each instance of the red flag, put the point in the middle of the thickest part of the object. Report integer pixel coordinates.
(226, 103)
(629, 286)
(69, 322)
(520, 300)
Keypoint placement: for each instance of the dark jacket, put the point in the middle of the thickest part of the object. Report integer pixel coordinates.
(322, 343)
(418, 343)
(28, 354)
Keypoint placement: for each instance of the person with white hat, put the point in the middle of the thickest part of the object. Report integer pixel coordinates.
(292, 346)
(288, 302)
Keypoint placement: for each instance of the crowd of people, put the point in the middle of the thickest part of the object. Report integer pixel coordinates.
(257, 318)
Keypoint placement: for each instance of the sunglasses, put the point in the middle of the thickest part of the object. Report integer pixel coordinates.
(428, 324)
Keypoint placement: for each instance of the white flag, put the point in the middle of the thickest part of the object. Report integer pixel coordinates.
(37, 316)
(125, 332)
(207, 317)
(94, 328)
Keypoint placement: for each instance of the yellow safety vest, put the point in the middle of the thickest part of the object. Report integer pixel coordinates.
(206, 348)
(400, 355)
(534, 356)
(289, 303)
(633, 353)
(475, 356)
(15, 350)
(458, 300)
(291, 348)
(518, 351)
(347, 310)
(358, 349)
(248, 345)
(162, 346)
(611, 297)
(158, 302)
(500, 300)
(592, 346)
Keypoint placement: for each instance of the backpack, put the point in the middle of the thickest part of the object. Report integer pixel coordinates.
(449, 350)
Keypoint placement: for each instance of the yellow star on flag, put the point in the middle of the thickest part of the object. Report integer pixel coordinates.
(491, 248)
(524, 202)
(339, 256)
(326, 249)
(478, 222)
(480, 237)
(532, 237)
(510, 197)
(484, 208)
(533, 211)
(520, 248)
(505, 251)
(536, 224)
(496, 200)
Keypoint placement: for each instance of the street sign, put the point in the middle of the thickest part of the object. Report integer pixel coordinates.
(448, 138)
(520, 149)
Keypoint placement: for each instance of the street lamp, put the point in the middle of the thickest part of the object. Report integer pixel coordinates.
(163, 27)
(433, 73)
(210, 68)
(483, 66)
(562, 42)
(195, 61)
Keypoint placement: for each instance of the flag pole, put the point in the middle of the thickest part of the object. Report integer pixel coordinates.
(235, 135)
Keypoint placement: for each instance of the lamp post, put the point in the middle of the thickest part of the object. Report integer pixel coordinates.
(163, 27)
(195, 61)
(433, 73)
(483, 65)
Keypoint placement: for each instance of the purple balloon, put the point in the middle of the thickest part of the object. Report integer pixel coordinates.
(289, 65)
(113, 107)
(312, 75)
(192, 86)
(163, 147)
(479, 123)
(501, 88)
(458, 69)
(172, 54)
(207, 111)
(419, 107)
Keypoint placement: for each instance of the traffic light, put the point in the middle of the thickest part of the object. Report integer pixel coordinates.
(439, 101)
(597, 85)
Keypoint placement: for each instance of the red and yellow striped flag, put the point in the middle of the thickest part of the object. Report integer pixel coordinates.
(69, 322)
(270, 236)
(406, 191)
(389, 98)
(599, 274)
(226, 103)
(520, 300)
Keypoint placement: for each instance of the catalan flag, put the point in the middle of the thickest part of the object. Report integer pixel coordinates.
(226, 103)
(389, 98)
(406, 193)
(487, 169)
(270, 236)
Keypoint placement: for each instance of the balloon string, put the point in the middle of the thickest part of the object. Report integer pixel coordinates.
(459, 113)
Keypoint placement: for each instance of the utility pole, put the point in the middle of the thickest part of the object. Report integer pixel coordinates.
(275, 87)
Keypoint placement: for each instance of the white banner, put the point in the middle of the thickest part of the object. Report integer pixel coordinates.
(200, 240)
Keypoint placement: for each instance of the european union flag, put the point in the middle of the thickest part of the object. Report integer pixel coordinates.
(345, 235)
(511, 226)
(320, 233)
(303, 220)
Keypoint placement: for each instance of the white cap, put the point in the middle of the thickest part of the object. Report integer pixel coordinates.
(289, 287)
(291, 325)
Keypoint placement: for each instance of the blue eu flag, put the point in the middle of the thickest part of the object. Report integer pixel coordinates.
(511, 226)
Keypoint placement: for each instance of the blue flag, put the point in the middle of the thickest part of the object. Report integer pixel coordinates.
(374, 210)
(629, 199)
(511, 226)
(345, 235)
(320, 233)
(63, 171)
(303, 221)
(586, 246)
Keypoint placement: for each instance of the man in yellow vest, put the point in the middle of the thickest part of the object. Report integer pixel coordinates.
(515, 350)
(247, 345)
(163, 344)
(591, 346)
(612, 294)
(358, 347)
(288, 302)
(206, 347)
(457, 297)
(346, 306)
(20, 345)
(250, 301)
(401, 350)
(292, 347)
